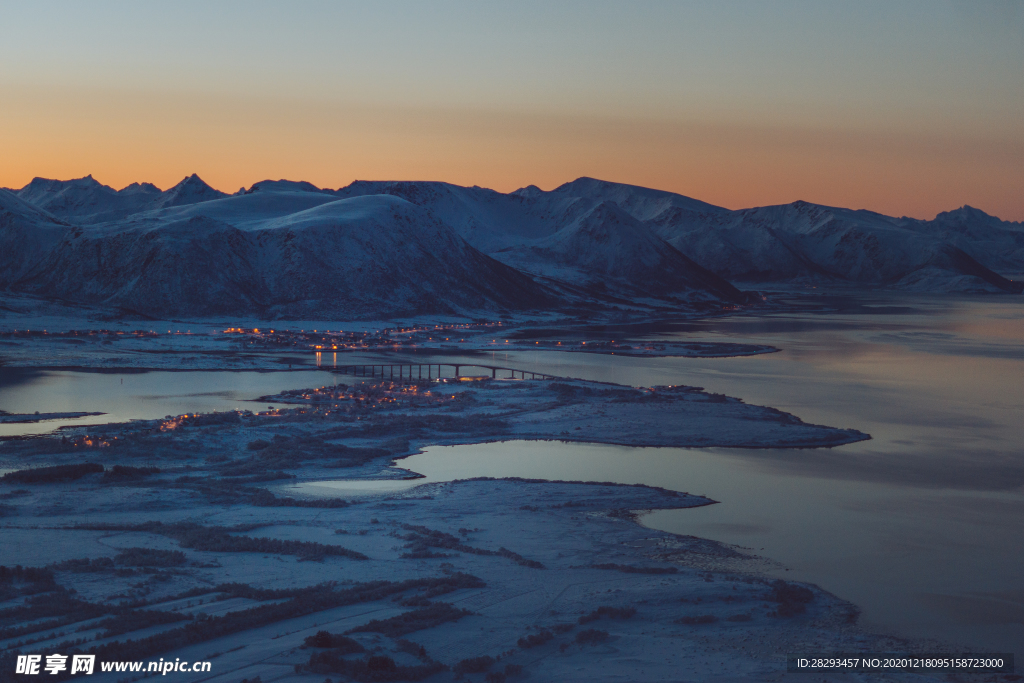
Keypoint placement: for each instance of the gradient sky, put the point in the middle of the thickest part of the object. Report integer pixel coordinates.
(908, 108)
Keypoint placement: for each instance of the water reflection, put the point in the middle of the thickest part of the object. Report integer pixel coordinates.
(919, 562)
(126, 396)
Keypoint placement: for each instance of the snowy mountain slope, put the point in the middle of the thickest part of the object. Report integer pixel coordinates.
(808, 240)
(197, 266)
(191, 190)
(492, 221)
(27, 234)
(86, 200)
(642, 203)
(1000, 244)
(608, 249)
(384, 249)
(387, 247)
(573, 234)
(377, 255)
(766, 244)
(487, 219)
(246, 212)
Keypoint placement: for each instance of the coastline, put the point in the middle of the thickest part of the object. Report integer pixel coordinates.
(698, 603)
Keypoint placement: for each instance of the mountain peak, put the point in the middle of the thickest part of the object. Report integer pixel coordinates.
(140, 188)
(193, 180)
(965, 212)
(52, 185)
(283, 186)
(530, 191)
(190, 191)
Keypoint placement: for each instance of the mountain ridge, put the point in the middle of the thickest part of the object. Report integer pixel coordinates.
(286, 247)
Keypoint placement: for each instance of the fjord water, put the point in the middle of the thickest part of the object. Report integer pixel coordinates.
(124, 396)
(920, 526)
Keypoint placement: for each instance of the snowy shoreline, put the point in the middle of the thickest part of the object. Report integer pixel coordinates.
(551, 560)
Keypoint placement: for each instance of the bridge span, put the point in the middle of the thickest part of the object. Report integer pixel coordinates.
(416, 371)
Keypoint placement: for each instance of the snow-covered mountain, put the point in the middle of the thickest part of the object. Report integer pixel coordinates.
(27, 234)
(609, 251)
(587, 233)
(802, 240)
(86, 200)
(376, 248)
(956, 251)
(268, 253)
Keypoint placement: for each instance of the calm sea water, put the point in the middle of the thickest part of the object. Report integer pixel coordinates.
(919, 526)
(137, 396)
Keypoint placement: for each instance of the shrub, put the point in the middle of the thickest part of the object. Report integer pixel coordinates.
(264, 498)
(129, 472)
(46, 475)
(149, 557)
(411, 648)
(535, 639)
(591, 636)
(372, 669)
(84, 565)
(632, 569)
(474, 665)
(219, 539)
(792, 599)
(342, 645)
(415, 620)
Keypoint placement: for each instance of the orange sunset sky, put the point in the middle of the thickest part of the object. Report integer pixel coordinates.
(905, 108)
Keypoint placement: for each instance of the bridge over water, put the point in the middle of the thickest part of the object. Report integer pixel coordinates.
(415, 371)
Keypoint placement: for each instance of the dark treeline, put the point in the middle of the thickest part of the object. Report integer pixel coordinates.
(127, 472)
(633, 569)
(342, 645)
(302, 601)
(264, 498)
(375, 669)
(221, 539)
(421, 539)
(415, 620)
(56, 473)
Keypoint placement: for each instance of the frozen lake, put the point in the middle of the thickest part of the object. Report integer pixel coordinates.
(919, 526)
